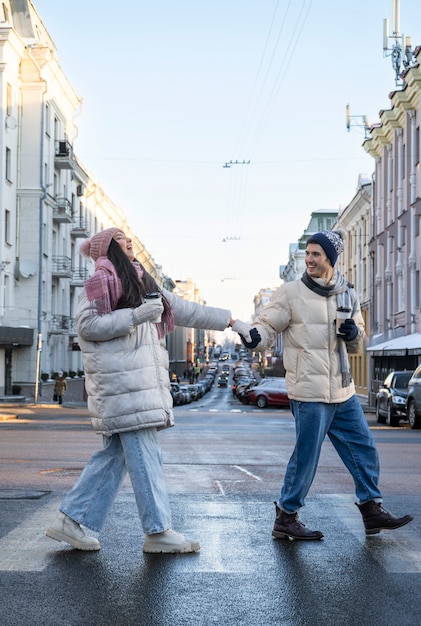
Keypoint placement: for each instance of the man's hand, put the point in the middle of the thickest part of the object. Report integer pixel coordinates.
(249, 336)
(255, 339)
(348, 330)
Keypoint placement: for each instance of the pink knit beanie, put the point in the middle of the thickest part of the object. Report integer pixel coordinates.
(98, 245)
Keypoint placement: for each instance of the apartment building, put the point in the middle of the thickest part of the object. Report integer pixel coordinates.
(394, 144)
(49, 204)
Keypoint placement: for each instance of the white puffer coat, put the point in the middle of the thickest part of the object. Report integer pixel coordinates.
(311, 354)
(126, 365)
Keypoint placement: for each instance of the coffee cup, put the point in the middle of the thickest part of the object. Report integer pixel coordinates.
(342, 314)
(154, 296)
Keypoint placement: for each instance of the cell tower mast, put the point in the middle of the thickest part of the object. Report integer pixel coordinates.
(396, 45)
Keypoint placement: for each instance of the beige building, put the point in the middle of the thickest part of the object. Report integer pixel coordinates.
(356, 265)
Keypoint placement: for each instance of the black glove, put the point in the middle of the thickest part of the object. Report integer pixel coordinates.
(255, 339)
(348, 330)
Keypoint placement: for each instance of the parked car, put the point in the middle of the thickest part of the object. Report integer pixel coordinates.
(391, 398)
(413, 400)
(178, 395)
(196, 391)
(271, 393)
(240, 386)
(240, 372)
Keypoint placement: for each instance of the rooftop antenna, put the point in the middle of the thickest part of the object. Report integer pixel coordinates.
(361, 121)
(400, 46)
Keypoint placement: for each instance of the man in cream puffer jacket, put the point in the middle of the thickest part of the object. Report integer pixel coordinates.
(320, 320)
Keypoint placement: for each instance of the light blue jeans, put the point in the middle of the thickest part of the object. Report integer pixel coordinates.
(137, 453)
(346, 426)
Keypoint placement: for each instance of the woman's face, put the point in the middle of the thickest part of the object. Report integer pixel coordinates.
(125, 244)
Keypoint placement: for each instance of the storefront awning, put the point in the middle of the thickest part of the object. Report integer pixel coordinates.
(401, 346)
(12, 337)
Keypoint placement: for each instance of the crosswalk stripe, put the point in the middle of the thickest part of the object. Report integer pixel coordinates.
(26, 548)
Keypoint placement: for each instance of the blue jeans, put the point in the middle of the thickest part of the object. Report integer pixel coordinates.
(345, 425)
(137, 452)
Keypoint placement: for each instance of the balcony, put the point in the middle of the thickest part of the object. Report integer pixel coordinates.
(80, 228)
(62, 211)
(79, 275)
(63, 155)
(61, 267)
(59, 324)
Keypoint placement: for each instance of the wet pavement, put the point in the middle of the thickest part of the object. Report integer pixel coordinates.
(241, 576)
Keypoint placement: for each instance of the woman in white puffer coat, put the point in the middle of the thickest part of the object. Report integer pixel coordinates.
(128, 387)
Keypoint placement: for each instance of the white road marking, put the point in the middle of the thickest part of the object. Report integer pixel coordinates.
(247, 472)
(221, 489)
(26, 548)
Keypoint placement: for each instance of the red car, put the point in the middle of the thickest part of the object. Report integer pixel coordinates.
(272, 393)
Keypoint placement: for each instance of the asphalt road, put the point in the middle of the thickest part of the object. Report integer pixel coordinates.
(224, 464)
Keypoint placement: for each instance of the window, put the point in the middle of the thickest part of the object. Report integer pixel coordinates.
(9, 99)
(47, 119)
(8, 165)
(5, 12)
(7, 226)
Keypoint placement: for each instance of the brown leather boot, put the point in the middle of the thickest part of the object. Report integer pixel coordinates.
(288, 525)
(376, 518)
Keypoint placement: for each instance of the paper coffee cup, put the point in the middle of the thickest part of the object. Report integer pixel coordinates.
(342, 314)
(154, 296)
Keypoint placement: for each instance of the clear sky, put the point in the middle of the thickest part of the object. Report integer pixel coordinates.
(174, 89)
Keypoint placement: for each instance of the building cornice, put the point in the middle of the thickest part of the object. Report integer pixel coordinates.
(402, 101)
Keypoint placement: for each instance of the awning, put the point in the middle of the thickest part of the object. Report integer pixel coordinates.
(11, 337)
(401, 346)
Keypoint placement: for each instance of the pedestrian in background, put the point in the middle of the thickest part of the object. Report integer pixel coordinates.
(60, 388)
(320, 320)
(129, 398)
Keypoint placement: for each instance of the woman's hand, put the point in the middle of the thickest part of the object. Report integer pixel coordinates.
(148, 311)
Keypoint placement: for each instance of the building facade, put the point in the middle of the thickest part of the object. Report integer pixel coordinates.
(49, 204)
(395, 248)
(356, 265)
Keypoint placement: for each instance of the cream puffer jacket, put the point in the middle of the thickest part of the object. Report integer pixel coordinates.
(126, 365)
(310, 344)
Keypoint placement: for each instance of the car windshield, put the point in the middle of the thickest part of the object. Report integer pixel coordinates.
(402, 380)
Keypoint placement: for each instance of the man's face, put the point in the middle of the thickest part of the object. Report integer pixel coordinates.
(125, 244)
(317, 263)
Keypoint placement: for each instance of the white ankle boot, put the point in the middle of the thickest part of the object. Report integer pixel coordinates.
(65, 529)
(169, 542)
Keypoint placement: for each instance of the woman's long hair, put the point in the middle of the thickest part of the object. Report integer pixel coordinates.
(134, 288)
